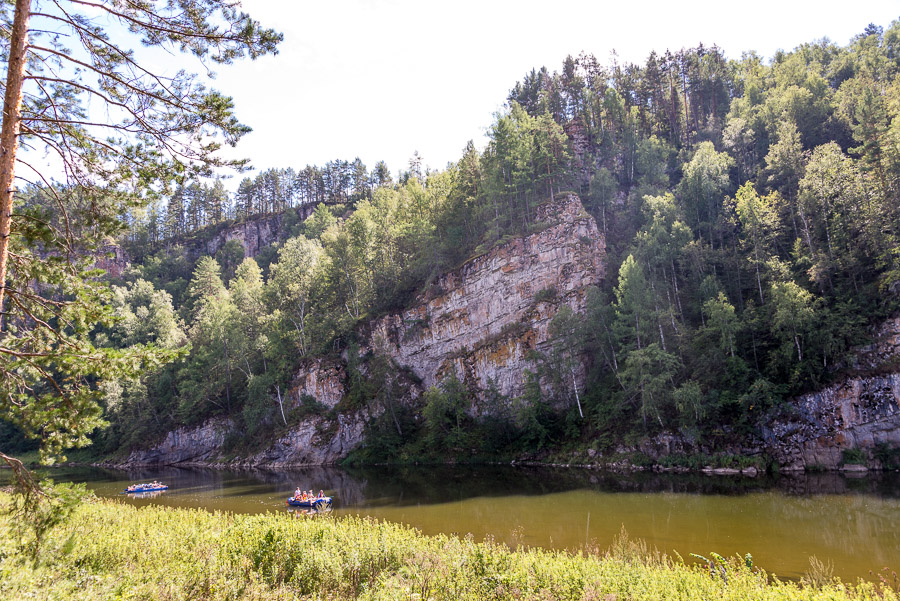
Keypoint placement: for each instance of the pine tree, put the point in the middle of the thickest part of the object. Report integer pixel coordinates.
(49, 299)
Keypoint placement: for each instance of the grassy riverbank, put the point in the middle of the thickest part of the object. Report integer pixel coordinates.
(115, 551)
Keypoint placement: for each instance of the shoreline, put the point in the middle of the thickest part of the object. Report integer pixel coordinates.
(615, 467)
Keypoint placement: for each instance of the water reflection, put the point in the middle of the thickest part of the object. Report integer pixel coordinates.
(855, 523)
(152, 494)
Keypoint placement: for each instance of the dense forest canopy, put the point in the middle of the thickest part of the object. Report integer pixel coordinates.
(751, 210)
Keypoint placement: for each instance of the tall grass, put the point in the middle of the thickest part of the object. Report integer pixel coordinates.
(110, 550)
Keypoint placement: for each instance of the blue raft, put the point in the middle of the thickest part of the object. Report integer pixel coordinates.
(316, 503)
(141, 489)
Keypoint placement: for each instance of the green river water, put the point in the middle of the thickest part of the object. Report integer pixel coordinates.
(854, 523)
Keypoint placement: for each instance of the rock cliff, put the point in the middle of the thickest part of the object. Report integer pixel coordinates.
(253, 234)
(112, 259)
(185, 446)
(481, 322)
(859, 411)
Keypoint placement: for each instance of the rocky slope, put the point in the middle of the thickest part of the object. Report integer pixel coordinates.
(860, 411)
(253, 235)
(485, 320)
(481, 322)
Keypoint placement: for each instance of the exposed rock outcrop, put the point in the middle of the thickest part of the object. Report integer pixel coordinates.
(858, 412)
(482, 320)
(112, 259)
(325, 380)
(315, 441)
(188, 446)
(253, 235)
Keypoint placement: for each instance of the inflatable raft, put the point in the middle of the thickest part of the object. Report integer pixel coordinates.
(140, 489)
(309, 503)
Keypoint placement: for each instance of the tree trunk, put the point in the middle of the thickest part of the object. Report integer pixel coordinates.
(281, 403)
(9, 136)
(577, 399)
(762, 301)
(677, 296)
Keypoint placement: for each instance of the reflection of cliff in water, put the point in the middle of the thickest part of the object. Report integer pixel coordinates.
(229, 483)
(442, 484)
(410, 485)
(345, 488)
(886, 484)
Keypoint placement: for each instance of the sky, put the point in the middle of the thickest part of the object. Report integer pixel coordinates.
(382, 79)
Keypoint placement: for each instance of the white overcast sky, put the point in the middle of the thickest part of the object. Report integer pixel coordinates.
(380, 79)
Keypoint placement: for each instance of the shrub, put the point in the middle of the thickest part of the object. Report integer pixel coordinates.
(854, 457)
(545, 295)
(887, 456)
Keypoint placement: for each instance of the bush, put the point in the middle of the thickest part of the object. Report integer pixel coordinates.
(545, 295)
(445, 416)
(854, 457)
(887, 456)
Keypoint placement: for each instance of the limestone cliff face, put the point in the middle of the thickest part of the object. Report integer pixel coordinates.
(323, 379)
(187, 446)
(314, 441)
(482, 320)
(253, 235)
(112, 259)
(858, 412)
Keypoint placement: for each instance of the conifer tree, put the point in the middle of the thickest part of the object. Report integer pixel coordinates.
(66, 62)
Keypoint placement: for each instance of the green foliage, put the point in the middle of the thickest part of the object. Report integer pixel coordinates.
(647, 377)
(445, 417)
(51, 364)
(718, 460)
(32, 513)
(888, 457)
(159, 129)
(855, 456)
(229, 257)
(545, 295)
(749, 219)
(292, 287)
(537, 423)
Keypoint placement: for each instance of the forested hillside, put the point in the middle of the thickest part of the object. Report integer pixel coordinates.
(751, 209)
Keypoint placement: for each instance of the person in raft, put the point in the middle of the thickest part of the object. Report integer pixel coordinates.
(297, 494)
(321, 494)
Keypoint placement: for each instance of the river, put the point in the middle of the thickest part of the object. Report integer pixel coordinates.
(853, 523)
